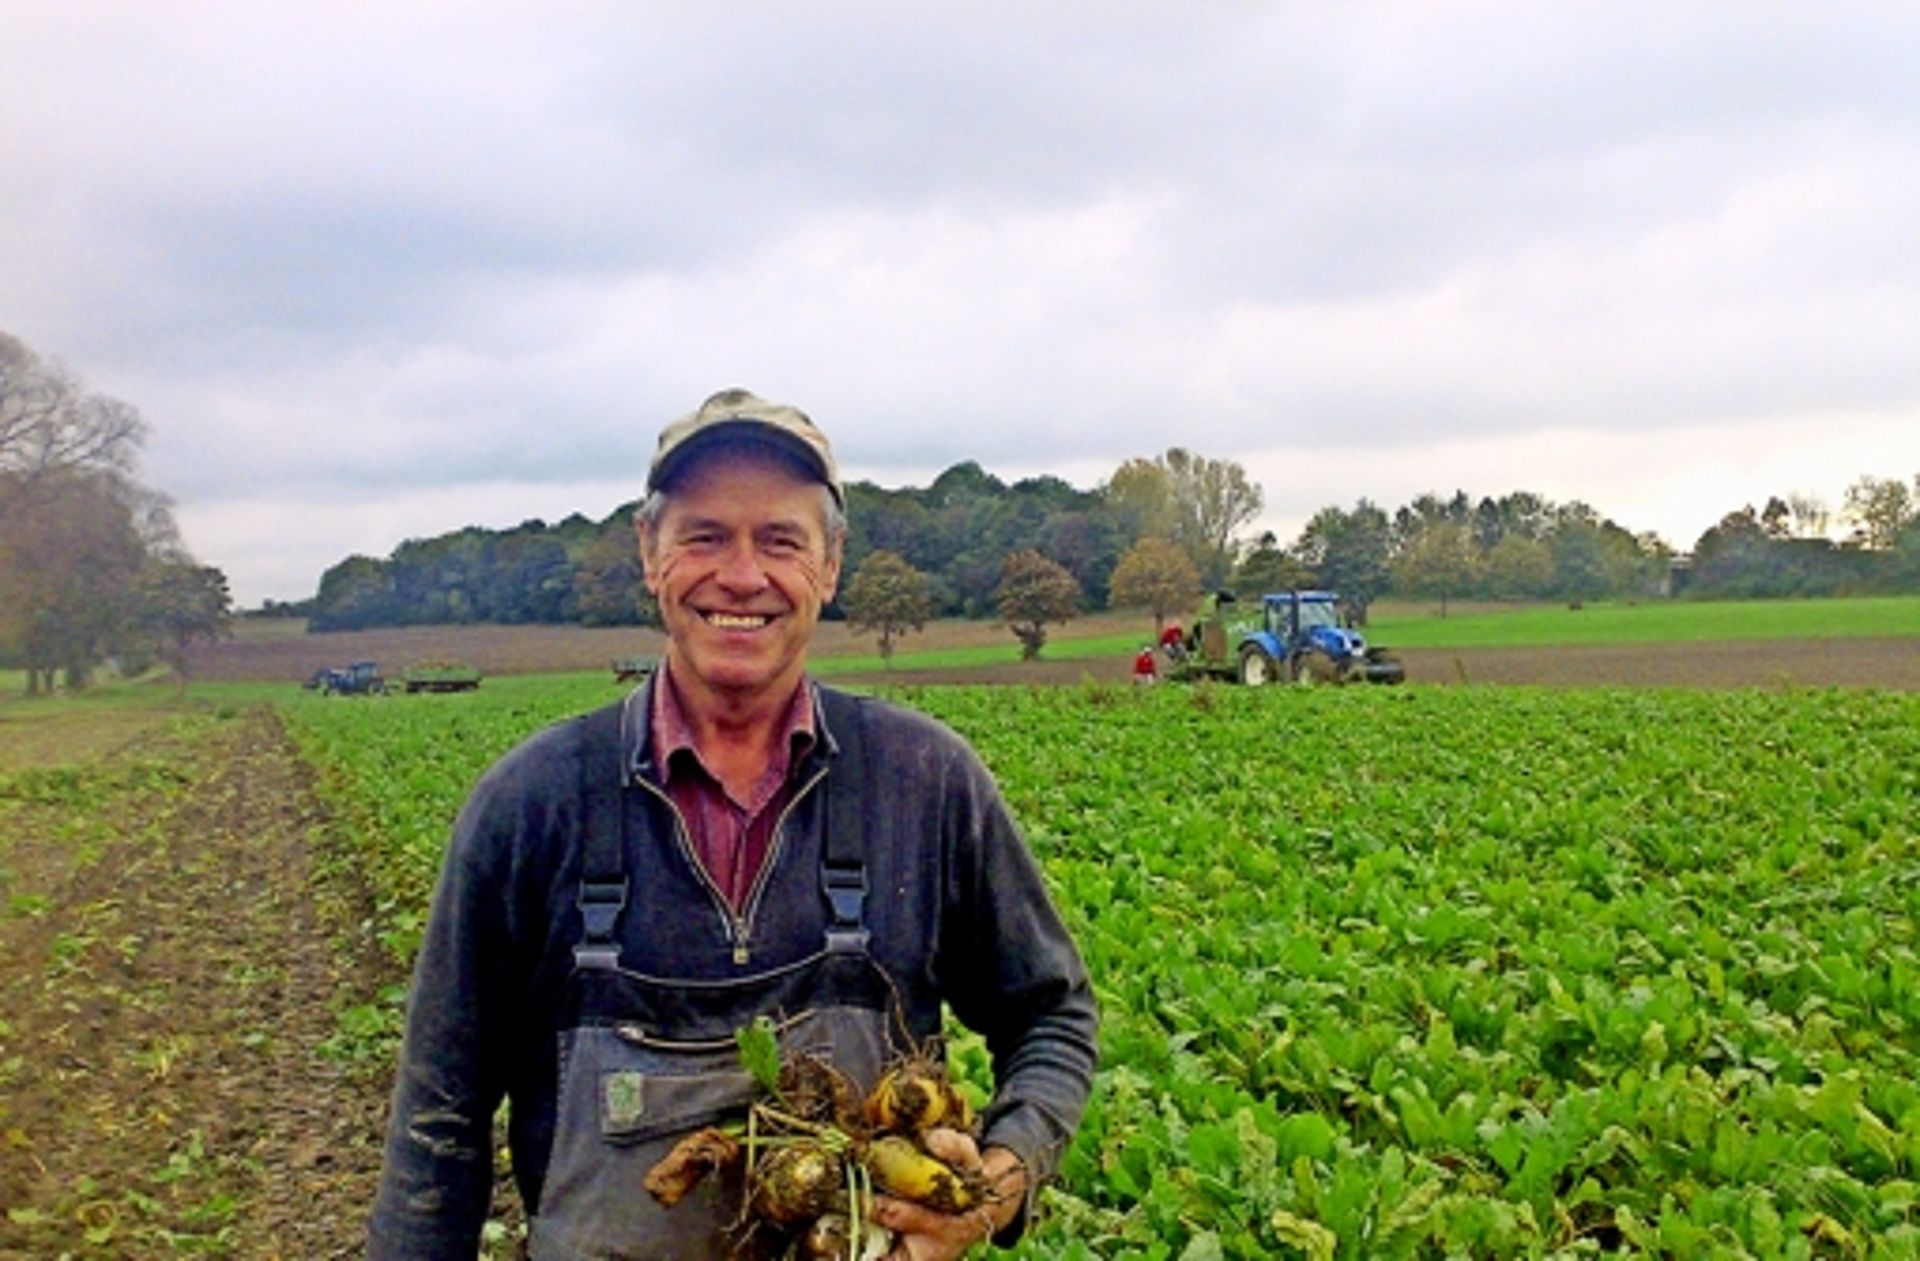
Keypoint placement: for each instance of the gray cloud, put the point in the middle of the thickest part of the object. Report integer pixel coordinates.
(386, 256)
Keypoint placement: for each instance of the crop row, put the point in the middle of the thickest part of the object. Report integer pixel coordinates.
(1420, 973)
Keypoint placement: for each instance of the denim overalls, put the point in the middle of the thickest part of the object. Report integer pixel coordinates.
(643, 1060)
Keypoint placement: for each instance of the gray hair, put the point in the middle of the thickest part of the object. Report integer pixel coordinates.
(832, 515)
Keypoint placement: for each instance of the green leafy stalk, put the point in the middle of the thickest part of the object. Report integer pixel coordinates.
(760, 1053)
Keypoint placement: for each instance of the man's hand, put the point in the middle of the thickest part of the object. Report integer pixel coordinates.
(927, 1235)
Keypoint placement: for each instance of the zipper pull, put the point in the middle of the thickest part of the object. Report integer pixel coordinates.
(739, 951)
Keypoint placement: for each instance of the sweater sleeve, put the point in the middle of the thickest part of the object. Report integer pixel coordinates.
(437, 1179)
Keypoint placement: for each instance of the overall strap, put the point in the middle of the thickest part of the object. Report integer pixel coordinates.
(843, 867)
(603, 876)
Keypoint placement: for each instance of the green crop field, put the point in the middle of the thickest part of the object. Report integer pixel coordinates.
(1666, 621)
(1416, 972)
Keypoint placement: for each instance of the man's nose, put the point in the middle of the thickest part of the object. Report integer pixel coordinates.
(740, 568)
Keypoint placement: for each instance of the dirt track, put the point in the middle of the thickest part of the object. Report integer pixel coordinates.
(172, 971)
(1887, 663)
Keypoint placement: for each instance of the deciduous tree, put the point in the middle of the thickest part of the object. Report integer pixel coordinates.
(1033, 593)
(1348, 552)
(1156, 575)
(607, 588)
(1439, 562)
(1880, 508)
(1197, 502)
(1519, 568)
(1268, 567)
(70, 574)
(50, 424)
(1141, 494)
(889, 596)
(183, 603)
(1213, 500)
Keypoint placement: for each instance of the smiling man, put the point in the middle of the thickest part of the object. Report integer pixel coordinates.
(627, 889)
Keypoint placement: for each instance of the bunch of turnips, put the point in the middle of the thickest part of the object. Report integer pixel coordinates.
(813, 1152)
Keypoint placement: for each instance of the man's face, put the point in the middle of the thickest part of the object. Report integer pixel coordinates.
(740, 564)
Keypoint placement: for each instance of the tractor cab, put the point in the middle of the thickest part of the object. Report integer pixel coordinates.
(1311, 621)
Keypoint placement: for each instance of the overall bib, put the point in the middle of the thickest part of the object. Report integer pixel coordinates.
(647, 1059)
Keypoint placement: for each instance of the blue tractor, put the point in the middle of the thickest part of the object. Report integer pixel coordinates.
(362, 678)
(1289, 636)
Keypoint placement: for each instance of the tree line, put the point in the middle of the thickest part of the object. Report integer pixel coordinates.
(959, 531)
(1154, 535)
(1785, 549)
(92, 567)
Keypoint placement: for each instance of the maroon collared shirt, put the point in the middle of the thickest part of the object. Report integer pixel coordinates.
(731, 836)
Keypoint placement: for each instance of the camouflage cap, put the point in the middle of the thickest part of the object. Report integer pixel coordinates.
(740, 414)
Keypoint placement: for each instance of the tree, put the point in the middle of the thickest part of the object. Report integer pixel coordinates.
(354, 593)
(1733, 556)
(1777, 518)
(1880, 508)
(606, 582)
(1810, 515)
(1348, 553)
(1519, 512)
(91, 564)
(1212, 500)
(50, 424)
(1155, 575)
(1579, 559)
(1141, 495)
(1088, 544)
(887, 595)
(1199, 503)
(1267, 566)
(70, 574)
(1034, 592)
(1427, 511)
(1439, 561)
(182, 604)
(1518, 568)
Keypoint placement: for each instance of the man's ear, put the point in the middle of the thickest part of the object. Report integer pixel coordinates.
(643, 539)
(830, 576)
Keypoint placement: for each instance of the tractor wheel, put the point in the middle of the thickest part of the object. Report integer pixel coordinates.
(1256, 668)
(1309, 668)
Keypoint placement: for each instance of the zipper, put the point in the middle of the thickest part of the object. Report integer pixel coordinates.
(739, 927)
(728, 920)
(766, 867)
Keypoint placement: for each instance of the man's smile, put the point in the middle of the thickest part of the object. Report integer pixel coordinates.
(736, 621)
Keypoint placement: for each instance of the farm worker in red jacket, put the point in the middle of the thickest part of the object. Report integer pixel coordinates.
(1145, 670)
(627, 889)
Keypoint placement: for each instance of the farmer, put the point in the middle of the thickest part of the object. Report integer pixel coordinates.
(627, 889)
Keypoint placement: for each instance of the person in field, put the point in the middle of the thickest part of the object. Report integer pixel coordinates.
(627, 889)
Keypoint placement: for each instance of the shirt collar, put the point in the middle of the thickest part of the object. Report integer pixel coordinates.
(657, 727)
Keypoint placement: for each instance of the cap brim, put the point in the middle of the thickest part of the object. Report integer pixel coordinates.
(742, 433)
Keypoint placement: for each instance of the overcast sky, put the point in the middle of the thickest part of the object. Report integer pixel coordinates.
(380, 271)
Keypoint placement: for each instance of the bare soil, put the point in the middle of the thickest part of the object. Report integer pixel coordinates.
(1887, 663)
(279, 651)
(171, 966)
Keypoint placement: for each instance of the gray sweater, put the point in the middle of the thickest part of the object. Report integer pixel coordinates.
(957, 910)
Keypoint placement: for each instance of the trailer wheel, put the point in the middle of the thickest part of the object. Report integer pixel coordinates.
(1256, 667)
